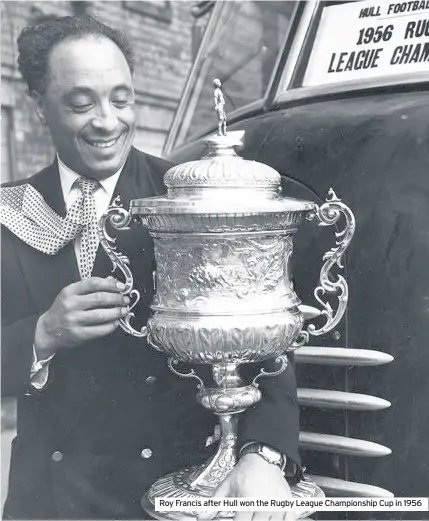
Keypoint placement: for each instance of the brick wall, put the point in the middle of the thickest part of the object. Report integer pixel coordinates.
(163, 50)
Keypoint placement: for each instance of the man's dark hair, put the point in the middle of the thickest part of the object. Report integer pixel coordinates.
(36, 42)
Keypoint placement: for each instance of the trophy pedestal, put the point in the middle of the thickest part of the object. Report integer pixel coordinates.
(200, 482)
(176, 485)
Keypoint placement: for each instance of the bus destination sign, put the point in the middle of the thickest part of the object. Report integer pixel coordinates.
(365, 39)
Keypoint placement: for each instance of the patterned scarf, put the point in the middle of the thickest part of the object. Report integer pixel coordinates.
(27, 215)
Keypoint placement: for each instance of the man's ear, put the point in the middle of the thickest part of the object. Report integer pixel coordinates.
(39, 104)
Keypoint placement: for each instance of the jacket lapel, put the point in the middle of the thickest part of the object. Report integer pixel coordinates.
(48, 183)
(47, 275)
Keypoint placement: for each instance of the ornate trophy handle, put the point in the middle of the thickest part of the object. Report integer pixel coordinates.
(282, 360)
(172, 362)
(328, 214)
(120, 218)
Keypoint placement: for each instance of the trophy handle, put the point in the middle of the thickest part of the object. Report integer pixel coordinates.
(328, 214)
(282, 360)
(120, 219)
(172, 363)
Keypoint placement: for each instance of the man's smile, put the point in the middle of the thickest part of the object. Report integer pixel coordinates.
(103, 143)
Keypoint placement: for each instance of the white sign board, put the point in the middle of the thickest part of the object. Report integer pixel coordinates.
(369, 39)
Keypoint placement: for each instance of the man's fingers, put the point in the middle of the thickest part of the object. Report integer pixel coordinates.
(93, 332)
(102, 299)
(96, 284)
(94, 317)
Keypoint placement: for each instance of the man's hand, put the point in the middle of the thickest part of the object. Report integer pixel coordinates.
(254, 477)
(82, 311)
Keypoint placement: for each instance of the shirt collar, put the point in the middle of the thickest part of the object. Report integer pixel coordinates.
(68, 177)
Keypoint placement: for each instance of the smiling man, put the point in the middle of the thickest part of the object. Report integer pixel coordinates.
(88, 105)
(100, 417)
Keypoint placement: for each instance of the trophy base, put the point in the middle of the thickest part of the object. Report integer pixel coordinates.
(174, 486)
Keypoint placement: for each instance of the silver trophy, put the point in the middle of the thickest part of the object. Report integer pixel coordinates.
(223, 239)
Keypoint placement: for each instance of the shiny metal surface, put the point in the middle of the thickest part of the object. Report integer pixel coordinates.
(120, 219)
(328, 214)
(223, 239)
(341, 356)
(327, 399)
(340, 488)
(347, 401)
(341, 445)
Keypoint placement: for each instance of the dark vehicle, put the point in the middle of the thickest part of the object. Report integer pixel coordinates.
(335, 94)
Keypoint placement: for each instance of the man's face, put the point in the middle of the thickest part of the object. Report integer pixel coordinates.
(89, 105)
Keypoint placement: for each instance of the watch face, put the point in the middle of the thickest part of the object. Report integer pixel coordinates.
(272, 455)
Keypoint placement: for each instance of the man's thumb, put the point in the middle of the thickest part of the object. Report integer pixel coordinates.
(223, 490)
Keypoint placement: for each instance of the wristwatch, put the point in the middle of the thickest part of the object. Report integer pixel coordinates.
(269, 454)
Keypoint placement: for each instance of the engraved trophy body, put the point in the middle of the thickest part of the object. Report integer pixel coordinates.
(223, 238)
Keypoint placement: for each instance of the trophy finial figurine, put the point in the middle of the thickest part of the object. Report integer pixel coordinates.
(219, 106)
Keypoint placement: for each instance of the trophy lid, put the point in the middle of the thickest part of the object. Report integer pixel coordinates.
(221, 181)
(222, 168)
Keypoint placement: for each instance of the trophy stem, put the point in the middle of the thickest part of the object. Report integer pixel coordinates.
(208, 476)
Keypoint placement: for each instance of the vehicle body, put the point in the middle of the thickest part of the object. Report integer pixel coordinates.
(360, 124)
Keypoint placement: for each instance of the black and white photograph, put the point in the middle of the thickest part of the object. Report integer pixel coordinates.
(214, 260)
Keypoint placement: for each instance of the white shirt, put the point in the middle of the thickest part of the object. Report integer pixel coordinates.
(71, 191)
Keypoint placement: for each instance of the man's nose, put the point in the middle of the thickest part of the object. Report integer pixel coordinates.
(106, 119)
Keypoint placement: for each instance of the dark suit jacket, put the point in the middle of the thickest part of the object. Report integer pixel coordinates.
(78, 449)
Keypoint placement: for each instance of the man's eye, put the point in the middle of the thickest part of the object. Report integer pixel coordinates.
(81, 107)
(120, 102)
